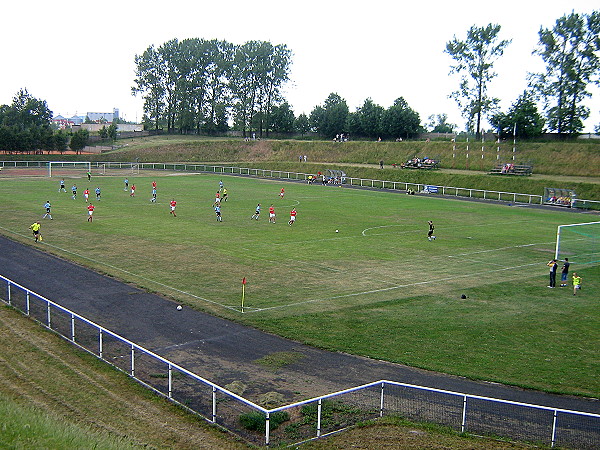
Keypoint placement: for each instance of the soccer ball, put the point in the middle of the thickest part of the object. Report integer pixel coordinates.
(179, 308)
(337, 231)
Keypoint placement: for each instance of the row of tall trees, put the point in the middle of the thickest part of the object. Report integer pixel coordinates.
(194, 84)
(370, 120)
(570, 51)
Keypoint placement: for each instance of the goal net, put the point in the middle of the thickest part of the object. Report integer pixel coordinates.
(61, 168)
(580, 242)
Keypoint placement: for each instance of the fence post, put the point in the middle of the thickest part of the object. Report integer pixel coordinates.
(554, 428)
(8, 291)
(73, 327)
(214, 404)
(100, 344)
(48, 321)
(267, 428)
(464, 415)
(381, 401)
(132, 361)
(170, 387)
(319, 409)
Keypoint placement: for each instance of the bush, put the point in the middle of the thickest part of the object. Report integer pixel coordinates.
(255, 420)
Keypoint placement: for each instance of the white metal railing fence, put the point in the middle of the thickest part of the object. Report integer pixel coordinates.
(315, 417)
(352, 181)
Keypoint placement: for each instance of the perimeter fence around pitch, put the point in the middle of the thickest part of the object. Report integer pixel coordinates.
(127, 168)
(316, 417)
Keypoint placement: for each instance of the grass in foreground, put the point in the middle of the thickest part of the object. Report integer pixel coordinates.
(377, 288)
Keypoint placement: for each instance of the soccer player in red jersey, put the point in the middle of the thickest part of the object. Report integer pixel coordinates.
(292, 217)
(132, 191)
(271, 214)
(86, 195)
(90, 208)
(173, 205)
(282, 193)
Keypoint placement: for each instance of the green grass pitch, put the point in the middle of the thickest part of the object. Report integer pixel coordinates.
(377, 288)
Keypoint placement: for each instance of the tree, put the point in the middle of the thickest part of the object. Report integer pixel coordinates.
(103, 132)
(400, 121)
(438, 123)
(330, 119)
(369, 117)
(522, 116)
(570, 51)
(302, 124)
(282, 118)
(79, 140)
(475, 58)
(25, 124)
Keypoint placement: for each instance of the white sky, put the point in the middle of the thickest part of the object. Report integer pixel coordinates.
(79, 56)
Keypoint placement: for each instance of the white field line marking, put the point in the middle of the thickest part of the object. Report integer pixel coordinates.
(131, 273)
(375, 291)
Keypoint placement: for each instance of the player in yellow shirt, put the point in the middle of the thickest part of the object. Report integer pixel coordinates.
(576, 283)
(35, 227)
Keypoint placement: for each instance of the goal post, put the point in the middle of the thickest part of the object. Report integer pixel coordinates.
(580, 242)
(85, 166)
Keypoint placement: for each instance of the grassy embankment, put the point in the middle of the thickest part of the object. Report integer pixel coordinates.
(571, 164)
(54, 396)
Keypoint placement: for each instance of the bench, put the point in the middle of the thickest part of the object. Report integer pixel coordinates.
(416, 163)
(512, 169)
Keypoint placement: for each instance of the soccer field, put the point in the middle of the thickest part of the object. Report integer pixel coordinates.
(378, 287)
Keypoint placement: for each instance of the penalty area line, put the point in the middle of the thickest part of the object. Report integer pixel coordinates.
(375, 291)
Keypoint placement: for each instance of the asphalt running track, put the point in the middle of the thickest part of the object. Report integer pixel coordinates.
(223, 351)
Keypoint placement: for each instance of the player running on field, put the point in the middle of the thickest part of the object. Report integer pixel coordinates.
(132, 190)
(86, 195)
(282, 193)
(97, 193)
(74, 191)
(256, 213)
(173, 205)
(292, 217)
(218, 213)
(62, 186)
(47, 206)
(576, 283)
(224, 194)
(90, 209)
(430, 234)
(153, 199)
(272, 214)
(35, 228)
(217, 199)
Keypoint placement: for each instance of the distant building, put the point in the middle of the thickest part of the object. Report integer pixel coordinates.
(62, 123)
(99, 117)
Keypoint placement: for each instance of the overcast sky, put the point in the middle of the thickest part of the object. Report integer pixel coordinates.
(79, 56)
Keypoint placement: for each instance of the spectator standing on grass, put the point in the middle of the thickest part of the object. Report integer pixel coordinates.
(47, 206)
(90, 209)
(62, 186)
(381, 163)
(35, 228)
(565, 273)
(553, 267)
(74, 191)
(576, 283)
